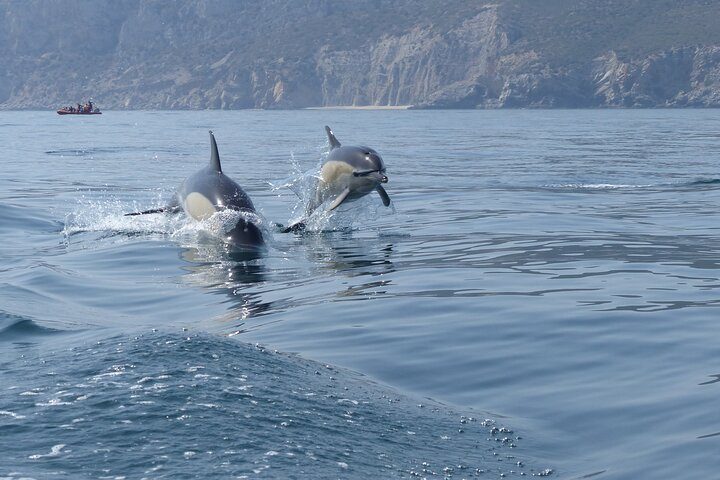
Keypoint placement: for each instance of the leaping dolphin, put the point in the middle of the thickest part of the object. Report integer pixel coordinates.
(347, 174)
(208, 191)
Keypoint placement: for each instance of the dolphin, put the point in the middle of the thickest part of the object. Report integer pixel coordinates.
(348, 173)
(208, 191)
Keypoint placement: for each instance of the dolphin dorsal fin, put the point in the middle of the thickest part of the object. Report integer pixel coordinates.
(334, 143)
(214, 155)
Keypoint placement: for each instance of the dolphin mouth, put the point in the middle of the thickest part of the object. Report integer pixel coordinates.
(378, 175)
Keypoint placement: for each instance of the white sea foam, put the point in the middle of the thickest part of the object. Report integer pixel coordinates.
(11, 414)
(55, 451)
(595, 186)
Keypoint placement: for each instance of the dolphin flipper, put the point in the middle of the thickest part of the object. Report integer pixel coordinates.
(294, 228)
(173, 208)
(383, 194)
(334, 143)
(340, 198)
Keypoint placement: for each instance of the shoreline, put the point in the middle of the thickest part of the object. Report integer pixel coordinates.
(363, 107)
(371, 107)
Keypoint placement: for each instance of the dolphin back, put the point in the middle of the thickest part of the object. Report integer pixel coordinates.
(209, 190)
(218, 189)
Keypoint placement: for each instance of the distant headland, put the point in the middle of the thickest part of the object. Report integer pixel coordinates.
(223, 54)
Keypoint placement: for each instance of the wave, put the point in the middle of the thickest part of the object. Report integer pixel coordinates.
(179, 405)
(18, 218)
(593, 186)
(705, 181)
(15, 327)
(105, 151)
(603, 187)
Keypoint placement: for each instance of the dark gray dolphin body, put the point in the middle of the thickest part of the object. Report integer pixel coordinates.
(208, 191)
(348, 173)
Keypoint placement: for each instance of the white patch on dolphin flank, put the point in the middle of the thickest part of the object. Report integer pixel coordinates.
(332, 171)
(199, 207)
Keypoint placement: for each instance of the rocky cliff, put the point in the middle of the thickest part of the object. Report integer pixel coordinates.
(188, 54)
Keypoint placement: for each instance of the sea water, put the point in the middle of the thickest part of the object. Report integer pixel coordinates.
(540, 299)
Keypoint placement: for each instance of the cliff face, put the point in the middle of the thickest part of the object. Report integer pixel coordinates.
(674, 78)
(422, 65)
(435, 54)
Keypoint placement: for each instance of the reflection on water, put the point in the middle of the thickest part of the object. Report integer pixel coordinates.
(345, 254)
(342, 254)
(258, 283)
(230, 273)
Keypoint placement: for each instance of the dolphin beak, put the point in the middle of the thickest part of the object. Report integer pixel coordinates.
(380, 177)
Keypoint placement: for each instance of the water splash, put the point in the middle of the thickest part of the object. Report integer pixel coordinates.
(304, 183)
(107, 216)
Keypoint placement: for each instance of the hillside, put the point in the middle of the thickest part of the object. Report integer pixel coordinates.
(189, 54)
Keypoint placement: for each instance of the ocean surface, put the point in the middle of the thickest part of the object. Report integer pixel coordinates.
(541, 299)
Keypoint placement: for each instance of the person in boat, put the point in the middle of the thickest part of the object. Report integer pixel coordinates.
(90, 107)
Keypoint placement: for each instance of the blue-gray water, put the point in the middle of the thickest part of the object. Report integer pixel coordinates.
(541, 299)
